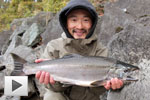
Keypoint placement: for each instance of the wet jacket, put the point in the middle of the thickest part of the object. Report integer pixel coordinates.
(66, 44)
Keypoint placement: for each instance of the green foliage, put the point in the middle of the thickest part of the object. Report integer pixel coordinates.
(17, 9)
(54, 5)
(25, 8)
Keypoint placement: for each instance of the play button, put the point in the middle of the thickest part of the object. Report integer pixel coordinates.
(15, 85)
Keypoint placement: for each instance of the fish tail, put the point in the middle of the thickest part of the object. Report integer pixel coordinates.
(18, 65)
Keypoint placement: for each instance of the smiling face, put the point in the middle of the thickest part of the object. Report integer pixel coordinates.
(79, 23)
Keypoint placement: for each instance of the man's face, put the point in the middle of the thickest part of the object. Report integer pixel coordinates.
(79, 23)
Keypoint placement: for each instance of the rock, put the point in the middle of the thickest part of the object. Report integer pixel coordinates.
(43, 18)
(53, 30)
(25, 52)
(9, 63)
(98, 26)
(19, 31)
(135, 8)
(2, 74)
(18, 22)
(1, 59)
(40, 19)
(16, 41)
(31, 27)
(31, 36)
(113, 21)
(136, 90)
(4, 97)
(1, 63)
(3, 38)
(131, 44)
(119, 14)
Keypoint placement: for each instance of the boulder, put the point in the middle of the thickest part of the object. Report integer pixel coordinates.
(32, 36)
(25, 53)
(16, 41)
(3, 38)
(16, 23)
(131, 44)
(43, 18)
(20, 30)
(125, 31)
(121, 13)
(53, 30)
(2, 74)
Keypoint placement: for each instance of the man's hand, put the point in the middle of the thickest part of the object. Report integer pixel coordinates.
(42, 76)
(114, 83)
(40, 60)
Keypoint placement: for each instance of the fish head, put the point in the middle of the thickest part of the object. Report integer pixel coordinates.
(127, 72)
(126, 67)
(123, 71)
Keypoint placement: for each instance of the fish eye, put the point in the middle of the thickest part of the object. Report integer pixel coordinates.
(126, 70)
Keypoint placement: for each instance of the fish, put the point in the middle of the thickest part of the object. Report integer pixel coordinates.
(74, 69)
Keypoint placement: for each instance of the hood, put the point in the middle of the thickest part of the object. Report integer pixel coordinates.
(76, 4)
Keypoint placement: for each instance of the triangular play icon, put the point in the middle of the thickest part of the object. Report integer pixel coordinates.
(15, 85)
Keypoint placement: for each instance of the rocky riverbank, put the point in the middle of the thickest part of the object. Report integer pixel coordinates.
(124, 29)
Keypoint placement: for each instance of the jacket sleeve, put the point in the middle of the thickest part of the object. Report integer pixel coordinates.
(101, 50)
(51, 52)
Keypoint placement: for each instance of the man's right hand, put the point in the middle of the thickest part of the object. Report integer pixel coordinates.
(42, 76)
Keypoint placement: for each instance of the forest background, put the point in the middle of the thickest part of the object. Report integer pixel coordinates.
(14, 9)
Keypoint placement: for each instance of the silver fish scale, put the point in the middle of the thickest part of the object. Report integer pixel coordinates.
(83, 68)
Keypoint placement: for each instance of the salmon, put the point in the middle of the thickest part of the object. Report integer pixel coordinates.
(74, 69)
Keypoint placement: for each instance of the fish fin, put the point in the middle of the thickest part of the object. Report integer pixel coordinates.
(98, 83)
(72, 55)
(18, 65)
(66, 85)
(18, 69)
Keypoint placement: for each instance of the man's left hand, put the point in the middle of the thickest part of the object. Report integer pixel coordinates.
(114, 83)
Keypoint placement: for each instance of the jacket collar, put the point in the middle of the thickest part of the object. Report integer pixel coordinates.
(81, 41)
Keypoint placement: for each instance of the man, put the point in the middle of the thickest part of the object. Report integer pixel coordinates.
(78, 20)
